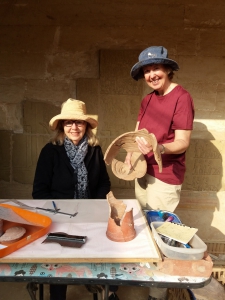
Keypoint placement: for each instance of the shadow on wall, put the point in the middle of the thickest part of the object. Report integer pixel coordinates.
(199, 206)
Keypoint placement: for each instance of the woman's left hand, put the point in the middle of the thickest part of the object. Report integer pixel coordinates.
(143, 145)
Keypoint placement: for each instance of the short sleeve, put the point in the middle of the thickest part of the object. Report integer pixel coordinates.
(184, 113)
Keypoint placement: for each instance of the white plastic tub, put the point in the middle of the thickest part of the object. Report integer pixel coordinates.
(194, 253)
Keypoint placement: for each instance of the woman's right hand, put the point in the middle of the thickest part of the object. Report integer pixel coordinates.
(128, 160)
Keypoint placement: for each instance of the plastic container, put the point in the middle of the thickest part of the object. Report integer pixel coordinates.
(38, 226)
(158, 216)
(194, 253)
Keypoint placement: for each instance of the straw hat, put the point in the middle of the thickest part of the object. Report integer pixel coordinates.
(73, 109)
(150, 56)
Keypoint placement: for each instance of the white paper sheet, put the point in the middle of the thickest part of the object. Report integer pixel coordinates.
(177, 232)
(91, 221)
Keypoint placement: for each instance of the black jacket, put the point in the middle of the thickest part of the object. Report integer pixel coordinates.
(55, 178)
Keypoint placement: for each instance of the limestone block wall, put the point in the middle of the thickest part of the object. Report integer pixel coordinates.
(50, 52)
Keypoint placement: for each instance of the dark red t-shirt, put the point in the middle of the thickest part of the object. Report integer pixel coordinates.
(162, 115)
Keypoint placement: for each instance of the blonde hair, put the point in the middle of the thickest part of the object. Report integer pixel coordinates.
(59, 135)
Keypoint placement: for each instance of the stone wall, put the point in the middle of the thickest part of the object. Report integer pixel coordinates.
(52, 50)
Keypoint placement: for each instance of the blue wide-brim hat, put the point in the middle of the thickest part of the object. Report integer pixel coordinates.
(150, 56)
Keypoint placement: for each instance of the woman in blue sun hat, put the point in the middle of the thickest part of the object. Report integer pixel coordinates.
(168, 112)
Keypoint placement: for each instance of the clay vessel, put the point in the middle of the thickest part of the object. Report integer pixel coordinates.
(127, 141)
(121, 223)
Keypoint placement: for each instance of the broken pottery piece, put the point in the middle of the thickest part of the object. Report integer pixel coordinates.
(121, 223)
(12, 235)
(128, 142)
(122, 170)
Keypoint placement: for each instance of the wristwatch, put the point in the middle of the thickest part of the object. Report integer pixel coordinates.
(163, 149)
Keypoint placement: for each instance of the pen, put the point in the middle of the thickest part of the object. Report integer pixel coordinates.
(54, 205)
(169, 219)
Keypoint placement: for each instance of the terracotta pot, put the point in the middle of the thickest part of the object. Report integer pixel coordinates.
(121, 223)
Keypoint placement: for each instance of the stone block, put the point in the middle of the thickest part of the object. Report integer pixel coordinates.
(220, 94)
(26, 149)
(73, 65)
(129, 28)
(40, 38)
(105, 139)
(187, 38)
(209, 128)
(204, 16)
(201, 2)
(11, 117)
(22, 65)
(121, 83)
(114, 111)
(117, 64)
(135, 103)
(116, 86)
(91, 33)
(203, 96)
(12, 90)
(15, 190)
(36, 117)
(87, 90)
(207, 71)
(49, 90)
(3, 117)
(213, 121)
(5, 156)
(204, 167)
(209, 115)
(207, 48)
(204, 211)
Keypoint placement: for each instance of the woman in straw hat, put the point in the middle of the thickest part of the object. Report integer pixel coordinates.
(168, 112)
(71, 166)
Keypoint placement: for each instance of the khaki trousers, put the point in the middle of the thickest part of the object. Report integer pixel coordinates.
(153, 193)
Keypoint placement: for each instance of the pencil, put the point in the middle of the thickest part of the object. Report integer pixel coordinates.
(54, 205)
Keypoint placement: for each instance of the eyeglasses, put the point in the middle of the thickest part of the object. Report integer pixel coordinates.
(69, 123)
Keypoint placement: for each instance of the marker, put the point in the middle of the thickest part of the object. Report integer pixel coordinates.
(169, 219)
(186, 246)
(54, 205)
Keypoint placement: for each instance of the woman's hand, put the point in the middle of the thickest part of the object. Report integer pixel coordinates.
(143, 145)
(128, 160)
